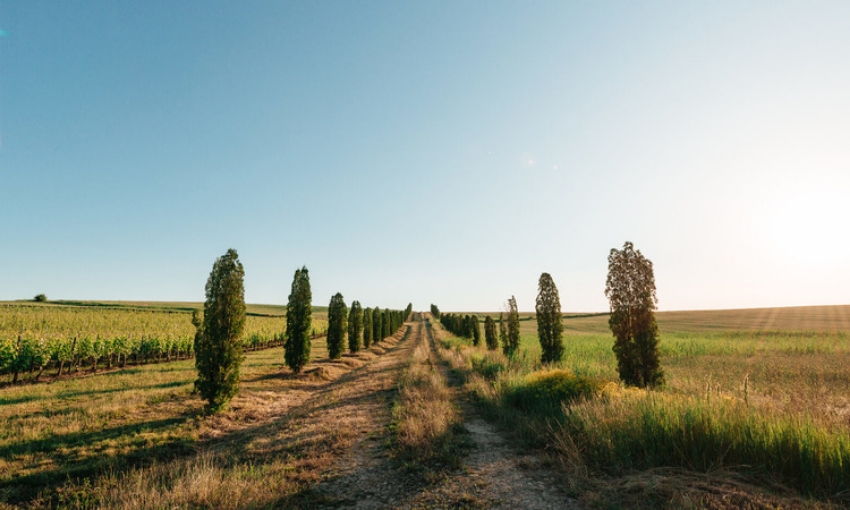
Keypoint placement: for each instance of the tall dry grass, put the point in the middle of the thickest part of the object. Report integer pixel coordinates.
(426, 421)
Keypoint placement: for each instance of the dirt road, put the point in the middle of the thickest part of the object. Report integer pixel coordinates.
(493, 475)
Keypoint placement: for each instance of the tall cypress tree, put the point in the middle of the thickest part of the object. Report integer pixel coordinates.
(218, 346)
(367, 328)
(476, 330)
(549, 327)
(377, 326)
(337, 324)
(386, 324)
(490, 337)
(511, 346)
(355, 326)
(299, 318)
(503, 332)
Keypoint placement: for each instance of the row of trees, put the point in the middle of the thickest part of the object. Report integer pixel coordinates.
(468, 326)
(342, 322)
(630, 289)
(217, 337)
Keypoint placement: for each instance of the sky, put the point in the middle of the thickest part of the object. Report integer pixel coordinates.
(428, 152)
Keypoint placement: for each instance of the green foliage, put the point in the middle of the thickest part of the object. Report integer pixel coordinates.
(511, 341)
(503, 331)
(299, 318)
(40, 298)
(545, 393)
(486, 366)
(461, 325)
(386, 324)
(490, 337)
(367, 327)
(549, 326)
(377, 325)
(337, 324)
(219, 348)
(476, 330)
(355, 326)
(435, 311)
(630, 289)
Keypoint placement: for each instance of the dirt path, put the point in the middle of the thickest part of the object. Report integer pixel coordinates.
(367, 477)
(493, 475)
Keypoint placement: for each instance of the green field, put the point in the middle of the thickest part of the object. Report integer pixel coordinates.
(40, 340)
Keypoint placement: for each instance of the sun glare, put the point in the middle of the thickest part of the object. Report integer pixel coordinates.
(808, 227)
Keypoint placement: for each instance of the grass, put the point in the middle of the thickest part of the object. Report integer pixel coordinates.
(426, 421)
(754, 398)
(59, 438)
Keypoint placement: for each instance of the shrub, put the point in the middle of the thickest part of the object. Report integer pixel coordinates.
(546, 393)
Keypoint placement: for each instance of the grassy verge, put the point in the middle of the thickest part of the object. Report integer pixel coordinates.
(426, 421)
(678, 447)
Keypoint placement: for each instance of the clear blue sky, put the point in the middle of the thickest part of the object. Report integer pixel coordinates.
(444, 152)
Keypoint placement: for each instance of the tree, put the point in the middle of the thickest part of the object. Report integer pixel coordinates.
(367, 328)
(218, 352)
(355, 326)
(337, 324)
(511, 344)
(299, 318)
(490, 337)
(549, 327)
(503, 331)
(476, 330)
(630, 288)
(386, 324)
(40, 298)
(377, 325)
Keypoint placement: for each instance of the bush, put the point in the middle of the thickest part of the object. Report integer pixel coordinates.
(40, 298)
(546, 393)
(487, 367)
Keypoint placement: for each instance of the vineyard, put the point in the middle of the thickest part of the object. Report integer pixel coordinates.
(35, 340)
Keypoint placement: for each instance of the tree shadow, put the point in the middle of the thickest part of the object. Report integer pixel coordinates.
(79, 393)
(232, 447)
(75, 466)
